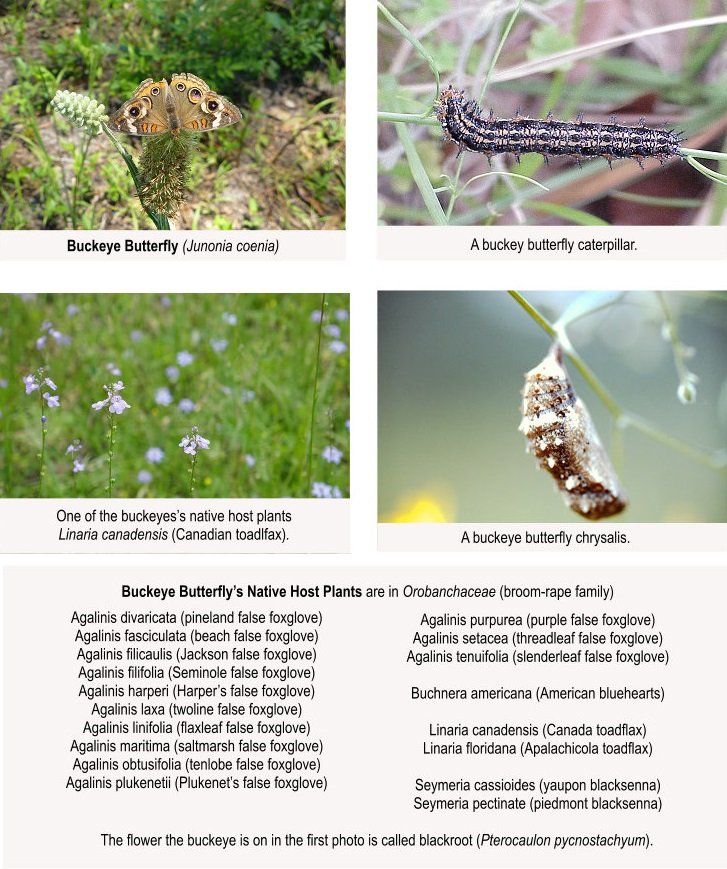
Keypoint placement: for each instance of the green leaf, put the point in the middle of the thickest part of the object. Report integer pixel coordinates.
(566, 214)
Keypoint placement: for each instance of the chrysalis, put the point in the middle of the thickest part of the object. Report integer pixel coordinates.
(562, 436)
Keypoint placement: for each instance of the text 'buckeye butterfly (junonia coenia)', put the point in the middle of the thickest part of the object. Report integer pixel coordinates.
(464, 123)
(562, 436)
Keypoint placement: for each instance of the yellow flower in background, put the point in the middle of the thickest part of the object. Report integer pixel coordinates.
(423, 507)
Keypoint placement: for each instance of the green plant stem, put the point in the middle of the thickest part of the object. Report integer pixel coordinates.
(43, 433)
(412, 40)
(314, 397)
(718, 177)
(542, 321)
(498, 50)
(111, 436)
(677, 348)
(704, 155)
(404, 118)
(191, 474)
(421, 179)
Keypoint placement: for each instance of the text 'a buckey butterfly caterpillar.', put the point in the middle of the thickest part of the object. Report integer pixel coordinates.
(463, 122)
(563, 438)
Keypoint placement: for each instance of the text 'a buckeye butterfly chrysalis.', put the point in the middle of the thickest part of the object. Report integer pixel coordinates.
(562, 436)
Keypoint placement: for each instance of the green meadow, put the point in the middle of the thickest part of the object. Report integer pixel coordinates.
(263, 377)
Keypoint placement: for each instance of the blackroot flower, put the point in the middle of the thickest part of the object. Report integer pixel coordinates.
(164, 168)
(81, 111)
(113, 400)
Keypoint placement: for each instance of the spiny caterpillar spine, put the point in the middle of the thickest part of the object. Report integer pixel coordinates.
(563, 438)
(464, 123)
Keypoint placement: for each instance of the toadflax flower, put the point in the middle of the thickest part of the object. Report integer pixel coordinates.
(74, 449)
(113, 400)
(325, 490)
(116, 406)
(193, 442)
(154, 455)
(332, 454)
(163, 396)
(37, 381)
(82, 111)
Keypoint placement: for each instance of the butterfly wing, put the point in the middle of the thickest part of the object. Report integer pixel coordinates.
(198, 108)
(145, 114)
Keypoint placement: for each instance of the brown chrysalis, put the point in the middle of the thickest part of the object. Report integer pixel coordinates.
(562, 436)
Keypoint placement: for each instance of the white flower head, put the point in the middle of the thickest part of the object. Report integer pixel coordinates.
(81, 110)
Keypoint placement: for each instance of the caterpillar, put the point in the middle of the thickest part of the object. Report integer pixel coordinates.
(464, 123)
(563, 438)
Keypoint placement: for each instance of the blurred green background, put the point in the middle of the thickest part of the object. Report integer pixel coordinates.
(451, 367)
(242, 367)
